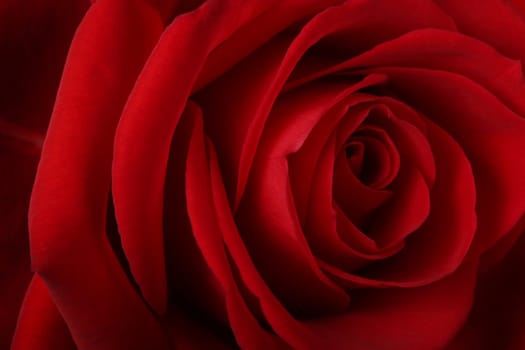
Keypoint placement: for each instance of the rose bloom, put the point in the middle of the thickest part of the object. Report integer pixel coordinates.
(262, 174)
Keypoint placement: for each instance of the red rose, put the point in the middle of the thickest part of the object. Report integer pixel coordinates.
(283, 174)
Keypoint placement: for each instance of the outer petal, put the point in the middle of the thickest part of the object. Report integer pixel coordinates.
(519, 6)
(40, 325)
(417, 318)
(256, 33)
(498, 315)
(68, 208)
(450, 51)
(492, 21)
(146, 128)
(34, 38)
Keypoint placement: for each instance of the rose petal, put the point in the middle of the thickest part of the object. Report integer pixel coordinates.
(203, 218)
(354, 157)
(410, 205)
(191, 283)
(241, 93)
(161, 92)
(355, 199)
(18, 161)
(69, 247)
(288, 328)
(40, 325)
(320, 226)
(276, 226)
(356, 239)
(477, 22)
(450, 52)
(255, 33)
(497, 317)
(417, 318)
(393, 222)
(490, 134)
(404, 213)
(440, 244)
(518, 6)
(381, 163)
(408, 129)
(434, 300)
(303, 162)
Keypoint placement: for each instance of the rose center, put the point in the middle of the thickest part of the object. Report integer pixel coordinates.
(372, 157)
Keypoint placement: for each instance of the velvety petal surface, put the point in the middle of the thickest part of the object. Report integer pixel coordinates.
(69, 202)
(40, 325)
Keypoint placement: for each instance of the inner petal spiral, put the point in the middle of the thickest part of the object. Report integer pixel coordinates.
(372, 156)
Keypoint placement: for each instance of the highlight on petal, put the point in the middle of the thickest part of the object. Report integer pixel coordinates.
(450, 51)
(203, 218)
(69, 202)
(145, 130)
(40, 325)
(267, 215)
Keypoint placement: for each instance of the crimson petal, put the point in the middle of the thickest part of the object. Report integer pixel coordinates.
(40, 325)
(69, 202)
